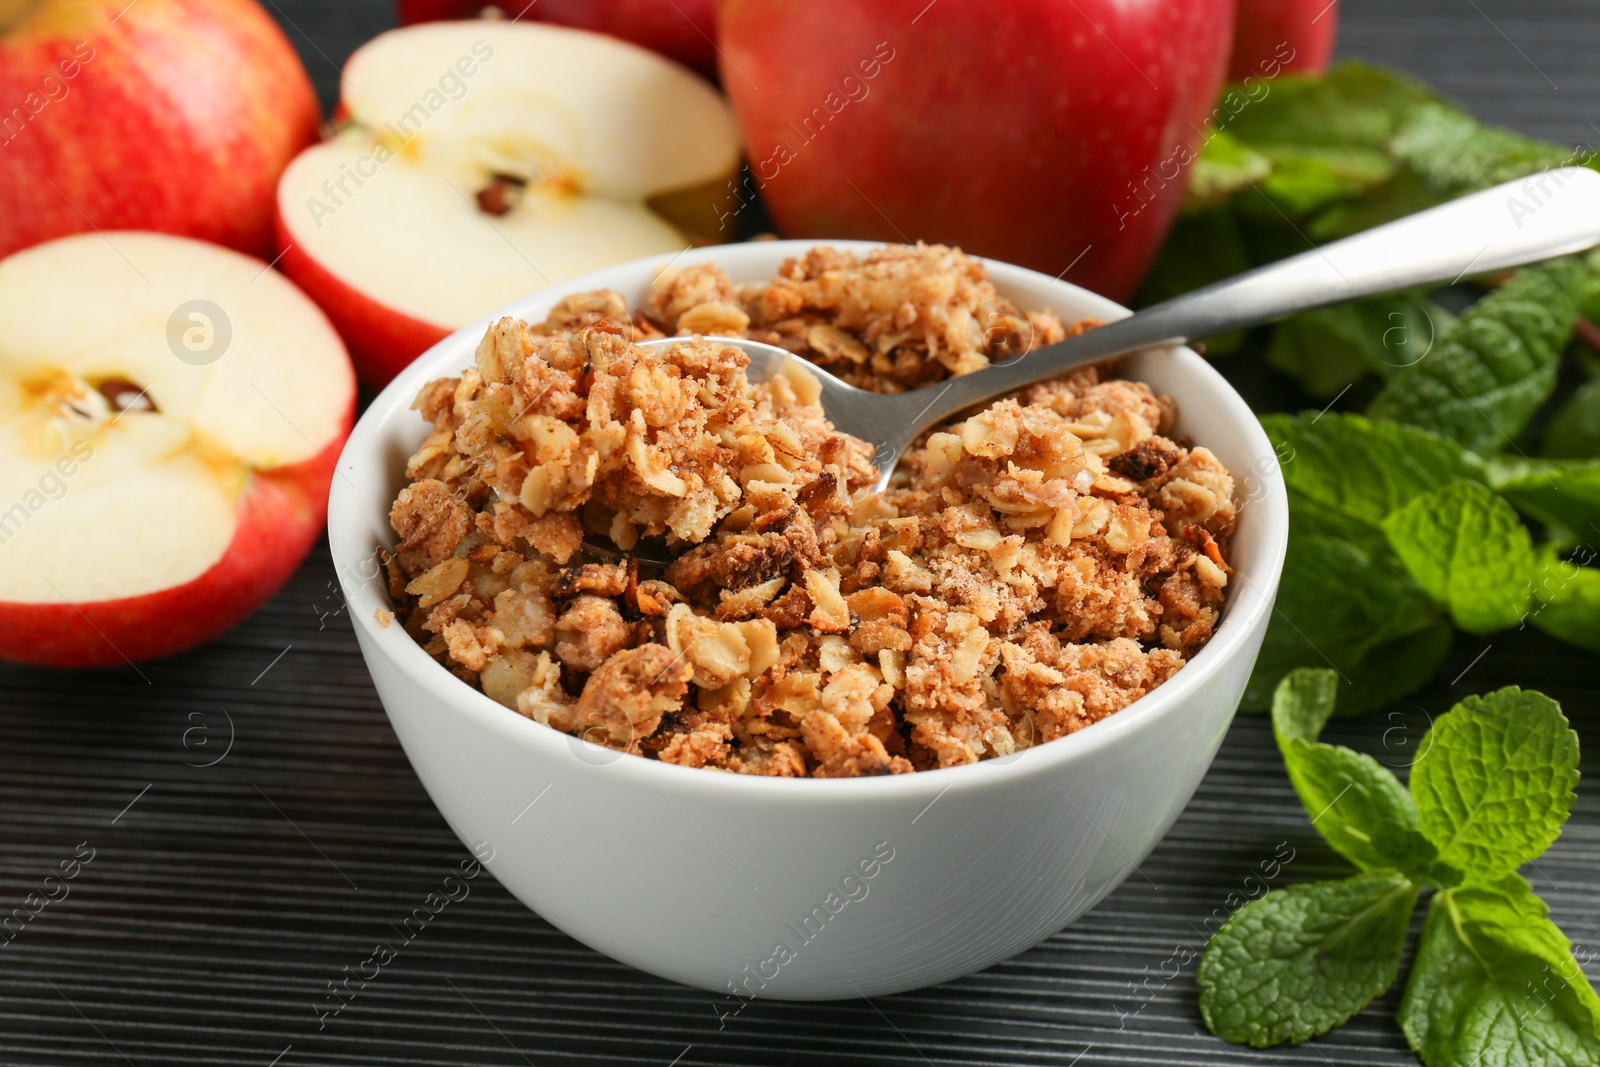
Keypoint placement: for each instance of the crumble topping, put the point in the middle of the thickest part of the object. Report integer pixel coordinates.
(898, 318)
(1032, 569)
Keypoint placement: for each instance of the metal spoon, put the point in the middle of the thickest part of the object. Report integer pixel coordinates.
(1550, 214)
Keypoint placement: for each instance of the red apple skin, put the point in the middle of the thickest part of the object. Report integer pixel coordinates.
(1032, 131)
(679, 29)
(1288, 35)
(176, 117)
(382, 341)
(280, 515)
(411, 12)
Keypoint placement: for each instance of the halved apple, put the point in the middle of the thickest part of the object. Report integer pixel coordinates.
(481, 161)
(170, 413)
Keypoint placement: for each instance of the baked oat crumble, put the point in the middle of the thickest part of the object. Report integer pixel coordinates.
(1033, 568)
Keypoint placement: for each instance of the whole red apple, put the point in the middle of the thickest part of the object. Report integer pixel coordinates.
(679, 29)
(170, 413)
(1278, 35)
(167, 115)
(1048, 133)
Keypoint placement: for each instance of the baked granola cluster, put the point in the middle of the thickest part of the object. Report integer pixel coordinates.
(1033, 568)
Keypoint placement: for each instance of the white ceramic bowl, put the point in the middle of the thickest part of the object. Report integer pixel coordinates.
(809, 889)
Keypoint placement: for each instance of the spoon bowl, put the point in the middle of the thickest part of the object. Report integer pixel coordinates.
(874, 417)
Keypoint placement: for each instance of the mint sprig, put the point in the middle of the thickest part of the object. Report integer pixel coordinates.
(1324, 157)
(1494, 366)
(1494, 982)
(1357, 806)
(1376, 595)
(1388, 555)
(1347, 600)
(1469, 551)
(1406, 525)
(1399, 535)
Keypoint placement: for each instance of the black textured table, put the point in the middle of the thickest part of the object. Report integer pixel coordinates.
(221, 900)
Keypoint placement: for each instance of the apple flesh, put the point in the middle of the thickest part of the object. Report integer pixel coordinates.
(168, 115)
(169, 415)
(1270, 36)
(481, 161)
(684, 30)
(1054, 135)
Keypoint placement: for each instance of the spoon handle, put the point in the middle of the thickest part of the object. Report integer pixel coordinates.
(1549, 214)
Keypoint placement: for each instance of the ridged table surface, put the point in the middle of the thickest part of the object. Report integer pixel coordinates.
(221, 900)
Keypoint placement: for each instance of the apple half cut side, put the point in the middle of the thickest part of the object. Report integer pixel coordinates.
(170, 413)
(478, 162)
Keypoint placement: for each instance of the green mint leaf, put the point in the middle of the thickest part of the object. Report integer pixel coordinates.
(1346, 474)
(1395, 669)
(1574, 433)
(1568, 607)
(1454, 153)
(1493, 781)
(1304, 959)
(1336, 607)
(1494, 984)
(1225, 167)
(1468, 550)
(1306, 178)
(1354, 105)
(1324, 139)
(1558, 492)
(1302, 705)
(1329, 349)
(1404, 194)
(1356, 804)
(1493, 368)
(1345, 151)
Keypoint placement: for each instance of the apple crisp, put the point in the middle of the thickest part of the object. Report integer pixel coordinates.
(1032, 569)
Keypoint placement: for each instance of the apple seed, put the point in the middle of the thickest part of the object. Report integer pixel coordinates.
(124, 395)
(501, 194)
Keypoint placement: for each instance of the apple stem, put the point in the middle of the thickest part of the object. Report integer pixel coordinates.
(1588, 332)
